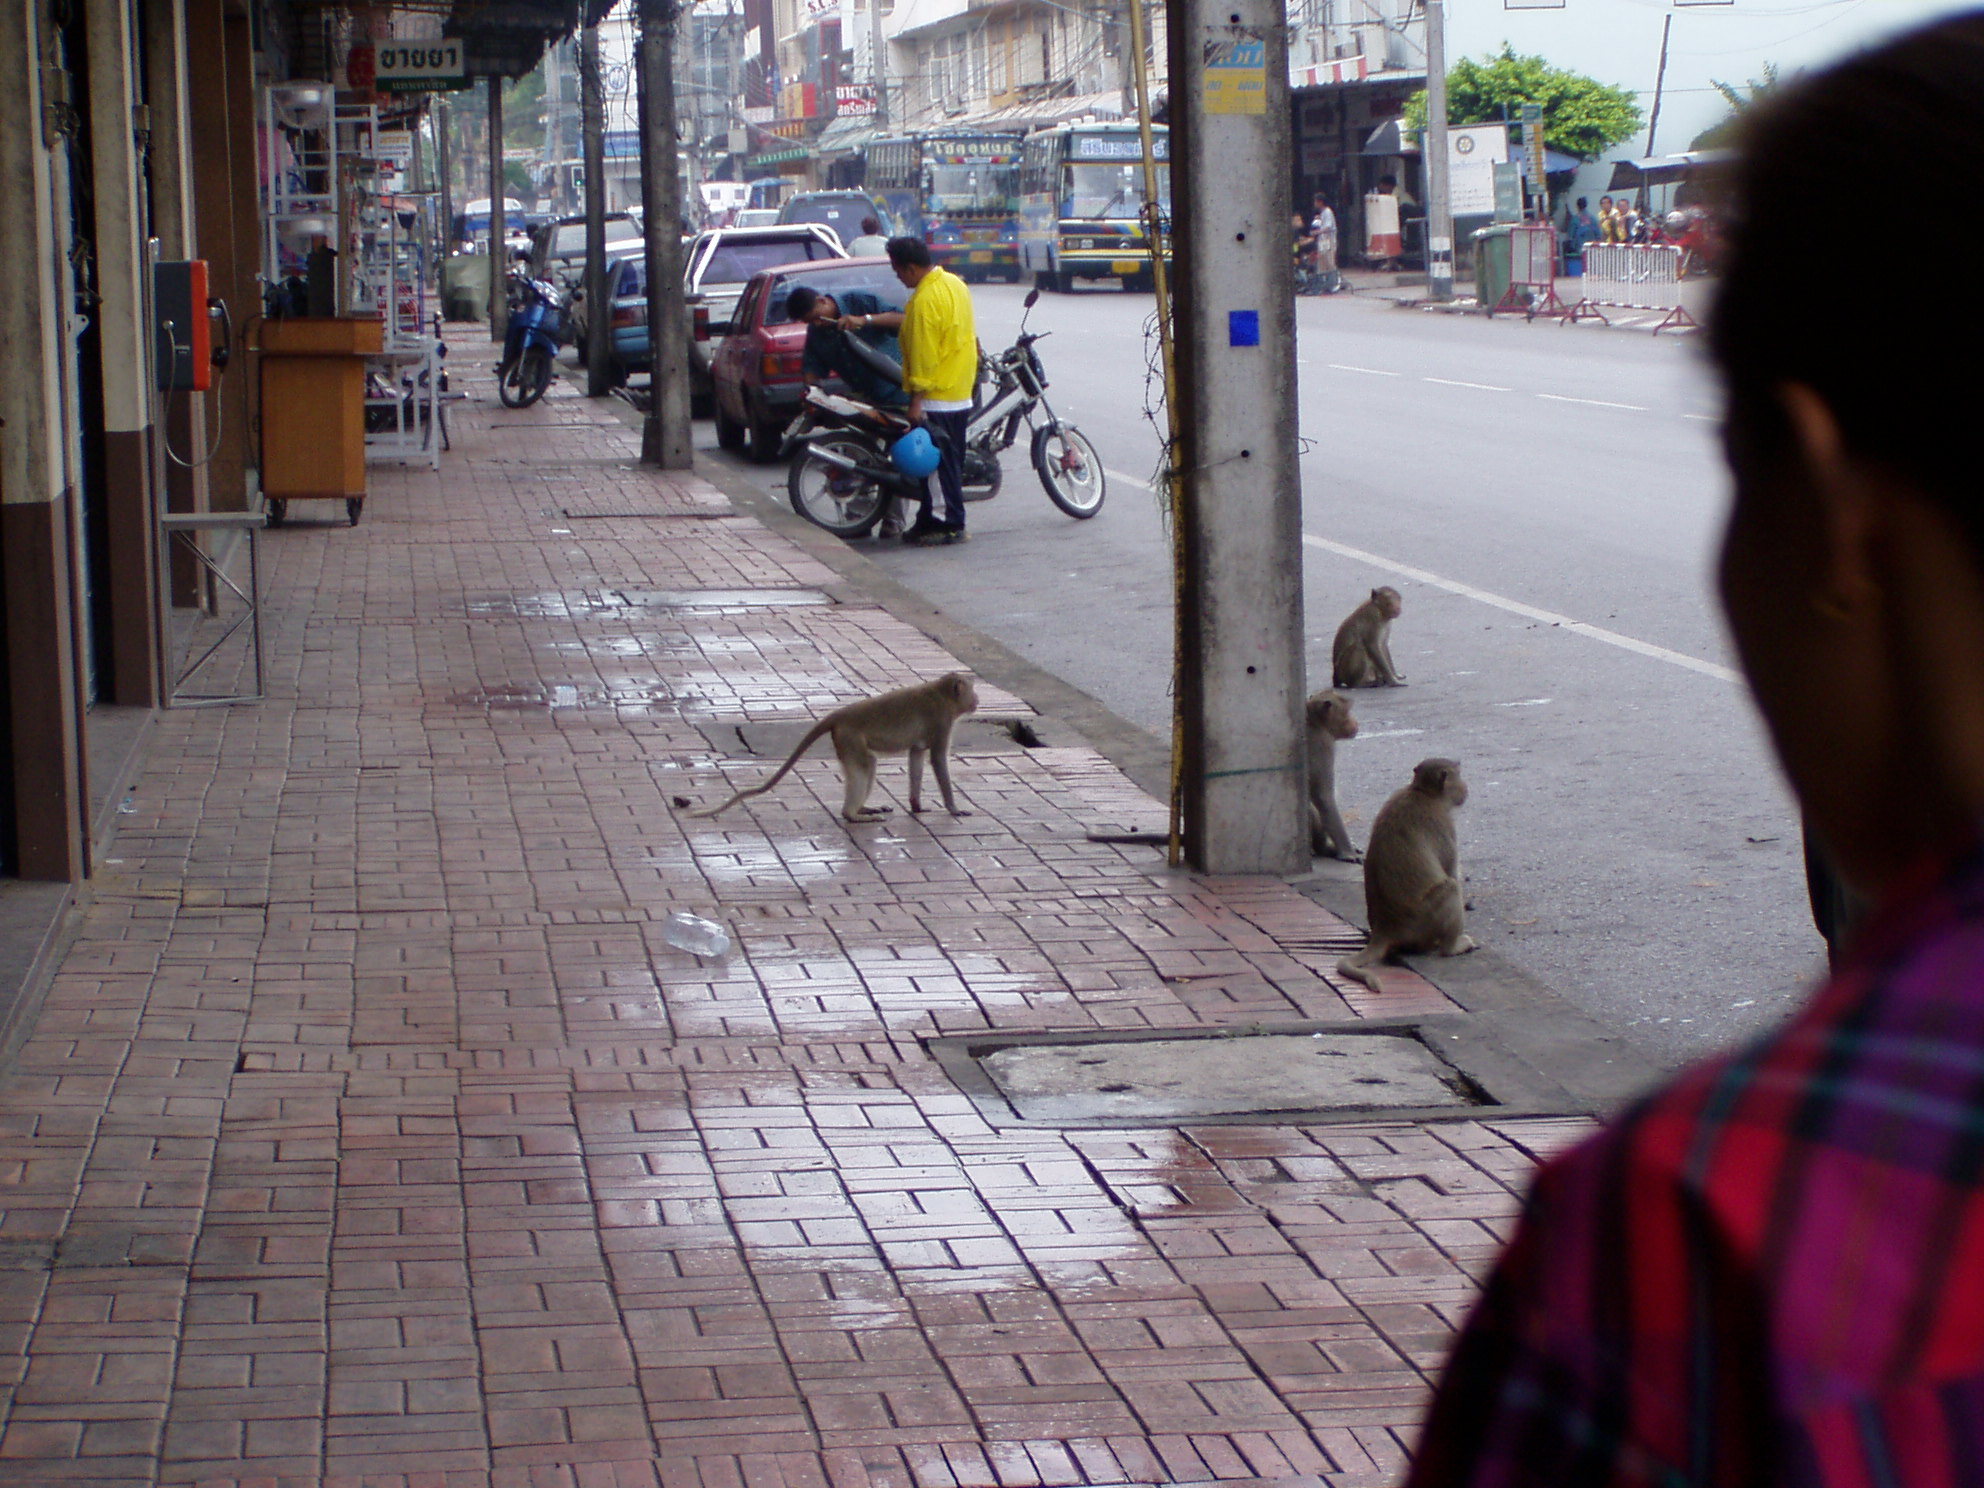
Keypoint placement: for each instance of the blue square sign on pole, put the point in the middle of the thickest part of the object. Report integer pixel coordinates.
(1243, 328)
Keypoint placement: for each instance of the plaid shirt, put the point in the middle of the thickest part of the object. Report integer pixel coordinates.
(1772, 1270)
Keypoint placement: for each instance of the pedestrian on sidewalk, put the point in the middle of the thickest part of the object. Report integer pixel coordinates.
(1608, 220)
(1583, 228)
(1771, 1271)
(1322, 226)
(940, 374)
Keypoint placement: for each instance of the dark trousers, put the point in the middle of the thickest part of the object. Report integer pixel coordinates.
(949, 430)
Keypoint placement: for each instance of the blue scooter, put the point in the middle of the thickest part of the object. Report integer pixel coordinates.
(537, 319)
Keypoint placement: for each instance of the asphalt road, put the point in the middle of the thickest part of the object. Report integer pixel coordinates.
(1628, 839)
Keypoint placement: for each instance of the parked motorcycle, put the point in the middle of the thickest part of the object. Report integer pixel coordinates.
(842, 479)
(537, 320)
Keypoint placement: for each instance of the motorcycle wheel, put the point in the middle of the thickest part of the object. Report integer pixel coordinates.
(535, 375)
(1070, 469)
(846, 504)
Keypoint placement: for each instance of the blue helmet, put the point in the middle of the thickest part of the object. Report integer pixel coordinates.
(915, 454)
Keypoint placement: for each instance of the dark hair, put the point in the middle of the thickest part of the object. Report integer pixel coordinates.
(909, 252)
(1583, 202)
(1898, 377)
(800, 300)
(869, 227)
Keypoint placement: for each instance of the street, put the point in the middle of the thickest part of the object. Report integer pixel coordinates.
(1547, 500)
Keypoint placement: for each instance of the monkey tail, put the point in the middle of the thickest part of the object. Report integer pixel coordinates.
(825, 725)
(1359, 968)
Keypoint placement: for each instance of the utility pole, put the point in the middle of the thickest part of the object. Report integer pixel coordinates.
(499, 288)
(446, 167)
(1236, 472)
(1439, 194)
(665, 435)
(1659, 80)
(592, 140)
(878, 64)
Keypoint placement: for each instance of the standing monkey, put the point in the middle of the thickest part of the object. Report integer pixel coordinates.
(1329, 720)
(1362, 654)
(1412, 888)
(918, 719)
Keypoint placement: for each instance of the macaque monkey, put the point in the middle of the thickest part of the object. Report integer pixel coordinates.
(1328, 721)
(1362, 654)
(1412, 887)
(918, 719)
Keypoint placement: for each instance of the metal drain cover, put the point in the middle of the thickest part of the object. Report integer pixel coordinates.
(1182, 1079)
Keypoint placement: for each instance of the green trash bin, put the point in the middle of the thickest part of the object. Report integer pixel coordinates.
(465, 286)
(1491, 264)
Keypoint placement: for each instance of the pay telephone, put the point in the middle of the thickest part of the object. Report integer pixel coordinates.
(184, 314)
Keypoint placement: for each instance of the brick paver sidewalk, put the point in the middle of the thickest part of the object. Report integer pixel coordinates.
(373, 1132)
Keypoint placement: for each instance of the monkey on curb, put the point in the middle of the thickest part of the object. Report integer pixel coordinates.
(1362, 653)
(1412, 886)
(1328, 720)
(918, 719)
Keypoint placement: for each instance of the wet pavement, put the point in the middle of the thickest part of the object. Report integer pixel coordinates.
(373, 1132)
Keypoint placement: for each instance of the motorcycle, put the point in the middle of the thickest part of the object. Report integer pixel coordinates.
(842, 479)
(537, 317)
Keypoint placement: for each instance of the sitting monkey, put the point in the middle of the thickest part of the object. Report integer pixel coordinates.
(918, 719)
(1412, 886)
(1362, 653)
(1329, 720)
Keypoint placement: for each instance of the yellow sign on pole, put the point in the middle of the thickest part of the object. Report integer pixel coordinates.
(1236, 76)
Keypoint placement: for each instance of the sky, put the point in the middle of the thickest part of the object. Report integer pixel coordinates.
(1618, 41)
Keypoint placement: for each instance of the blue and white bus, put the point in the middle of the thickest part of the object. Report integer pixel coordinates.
(1081, 199)
(959, 192)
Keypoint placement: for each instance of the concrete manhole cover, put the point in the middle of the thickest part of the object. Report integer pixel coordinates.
(1194, 1078)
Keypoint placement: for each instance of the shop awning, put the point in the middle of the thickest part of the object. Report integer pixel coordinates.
(778, 157)
(845, 135)
(1663, 170)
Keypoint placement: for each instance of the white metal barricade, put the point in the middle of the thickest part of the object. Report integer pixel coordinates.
(1632, 276)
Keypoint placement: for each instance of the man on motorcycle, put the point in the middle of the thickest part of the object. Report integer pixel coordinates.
(827, 352)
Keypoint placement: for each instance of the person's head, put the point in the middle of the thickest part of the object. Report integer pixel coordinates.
(1388, 184)
(1298, 222)
(1605, 204)
(1853, 566)
(804, 302)
(1584, 204)
(910, 258)
(1321, 200)
(870, 227)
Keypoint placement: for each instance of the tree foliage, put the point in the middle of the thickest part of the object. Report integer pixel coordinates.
(1719, 136)
(1581, 116)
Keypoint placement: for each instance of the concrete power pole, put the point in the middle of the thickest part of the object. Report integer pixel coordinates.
(592, 137)
(1439, 193)
(665, 436)
(499, 288)
(1241, 674)
(878, 64)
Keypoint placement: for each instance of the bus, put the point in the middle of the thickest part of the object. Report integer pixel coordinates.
(959, 192)
(1081, 196)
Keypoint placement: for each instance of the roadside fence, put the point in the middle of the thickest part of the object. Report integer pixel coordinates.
(1532, 288)
(1632, 276)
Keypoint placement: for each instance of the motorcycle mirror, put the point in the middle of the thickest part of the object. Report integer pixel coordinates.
(1032, 298)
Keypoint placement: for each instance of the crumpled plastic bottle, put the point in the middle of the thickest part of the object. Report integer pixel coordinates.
(693, 933)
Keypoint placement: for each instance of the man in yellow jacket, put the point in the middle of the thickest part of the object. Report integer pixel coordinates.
(940, 373)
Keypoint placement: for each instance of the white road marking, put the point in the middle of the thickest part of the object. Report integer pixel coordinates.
(1386, 733)
(1703, 418)
(1527, 703)
(1128, 480)
(1591, 402)
(1528, 612)
(1367, 371)
(1481, 387)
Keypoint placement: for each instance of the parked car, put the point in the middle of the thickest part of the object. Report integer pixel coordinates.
(718, 263)
(627, 310)
(756, 368)
(840, 210)
(558, 250)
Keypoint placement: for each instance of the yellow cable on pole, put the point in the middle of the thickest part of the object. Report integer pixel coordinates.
(1153, 215)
